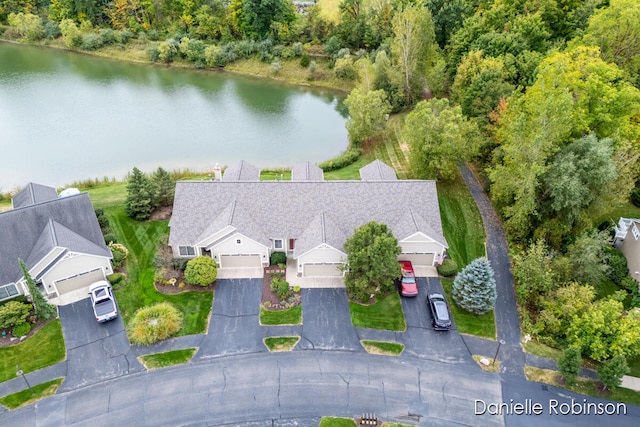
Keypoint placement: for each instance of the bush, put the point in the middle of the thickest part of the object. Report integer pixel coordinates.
(21, 329)
(298, 49)
(618, 269)
(215, 56)
(13, 313)
(167, 50)
(153, 35)
(154, 323)
(305, 60)
(110, 238)
(120, 253)
(246, 48)
(153, 53)
(51, 30)
(70, 33)
(275, 67)
(343, 160)
(116, 279)
(278, 258)
(123, 36)
(635, 196)
(201, 270)
(28, 26)
(281, 288)
(569, 364)
(179, 263)
(344, 69)
(447, 268)
(277, 50)
(107, 35)
(611, 371)
(332, 46)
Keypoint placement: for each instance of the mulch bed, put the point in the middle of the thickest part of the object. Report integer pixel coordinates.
(272, 297)
(175, 289)
(5, 341)
(163, 212)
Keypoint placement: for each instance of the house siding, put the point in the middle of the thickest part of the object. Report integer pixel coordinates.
(44, 262)
(321, 254)
(431, 247)
(247, 246)
(72, 266)
(631, 249)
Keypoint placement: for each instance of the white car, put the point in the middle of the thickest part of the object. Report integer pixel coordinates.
(103, 302)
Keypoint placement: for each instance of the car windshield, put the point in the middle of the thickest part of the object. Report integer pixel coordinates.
(441, 310)
(406, 280)
(100, 293)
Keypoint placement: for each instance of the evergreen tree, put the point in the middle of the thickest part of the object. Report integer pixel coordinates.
(42, 309)
(612, 371)
(140, 198)
(474, 289)
(569, 363)
(164, 187)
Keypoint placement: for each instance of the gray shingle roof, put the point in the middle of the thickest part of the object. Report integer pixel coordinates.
(30, 232)
(307, 171)
(377, 171)
(32, 194)
(290, 209)
(242, 171)
(322, 229)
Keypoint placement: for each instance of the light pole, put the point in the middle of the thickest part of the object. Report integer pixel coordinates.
(21, 373)
(501, 342)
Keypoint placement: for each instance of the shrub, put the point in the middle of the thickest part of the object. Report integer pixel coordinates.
(298, 49)
(167, 50)
(305, 60)
(275, 67)
(617, 265)
(344, 69)
(153, 35)
(51, 30)
(154, 323)
(110, 238)
(201, 270)
(70, 33)
(288, 53)
(179, 263)
(116, 279)
(281, 288)
(332, 46)
(27, 25)
(635, 196)
(313, 67)
(107, 35)
(612, 371)
(569, 364)
(277, 50)
(21, 329)
(448, 267)
(14, 313)
(91, 41)
(246, 48)
(343, 160)
(278, 258)
(153, 53)
(123, 36)
(215, 56)
(120, 253)
(474, 289)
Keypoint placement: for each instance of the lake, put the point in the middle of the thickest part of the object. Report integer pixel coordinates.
(66, 116)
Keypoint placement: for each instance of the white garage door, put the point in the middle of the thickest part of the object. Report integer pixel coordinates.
(322, 270)
(81, 280)
(418, 259)
(240, 261)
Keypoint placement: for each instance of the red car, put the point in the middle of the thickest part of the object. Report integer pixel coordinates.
(408, 286)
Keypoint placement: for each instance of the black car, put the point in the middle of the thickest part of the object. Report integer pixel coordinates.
(439, 312)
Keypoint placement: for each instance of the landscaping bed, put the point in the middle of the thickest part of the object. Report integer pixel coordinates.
(271, 300)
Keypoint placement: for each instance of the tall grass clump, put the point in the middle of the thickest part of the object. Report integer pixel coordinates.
(154, 323)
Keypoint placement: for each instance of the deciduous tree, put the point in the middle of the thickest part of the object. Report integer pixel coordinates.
(367, 114)
(611, 371)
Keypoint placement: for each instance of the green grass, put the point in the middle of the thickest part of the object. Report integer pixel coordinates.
(336, 422)
(281, 343)
(386, 313)
(142, 238)
(537, 348)
(467, 323)
(169, 358)
(44, 348)
(350, 172)
(584, 386)
(634, 367)
(461, 221)
(290, 316)
(629, 210)
(275, 175)
(382, 347)
(25, 397)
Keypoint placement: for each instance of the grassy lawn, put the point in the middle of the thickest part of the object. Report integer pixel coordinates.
(24, 397)
(275, 174)
(461, 221)
(467, 323)
(543, 350)
(169, 358)
(281, 343)
(382, 347)
(291, 316)
(634, 366)
(386, 313)
(584, 386)
(44, 348)
(336, 422)
(491, 367)
(350, 172)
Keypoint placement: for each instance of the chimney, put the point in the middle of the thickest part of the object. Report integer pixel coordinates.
(217, 171)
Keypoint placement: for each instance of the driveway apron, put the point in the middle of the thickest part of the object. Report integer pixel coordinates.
(326, 322)
(95, 351)
(234, 327)
(420, 339)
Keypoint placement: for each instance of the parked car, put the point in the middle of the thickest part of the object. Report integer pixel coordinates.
(439, 312)
(103, 302)
(407, 283)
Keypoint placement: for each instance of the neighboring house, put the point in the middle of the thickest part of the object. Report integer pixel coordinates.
(628, 241)
(240, 220)
(59, 239)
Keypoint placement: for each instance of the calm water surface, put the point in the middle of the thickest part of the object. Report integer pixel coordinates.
(66, 117)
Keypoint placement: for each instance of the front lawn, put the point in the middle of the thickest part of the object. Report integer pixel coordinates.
(386, 313)
(336, 422)
(467, 323)
(142, 239)
(169, 358)
(290, 316)
(25, 397)
(281, 343)
(382, 347)
(44, 348)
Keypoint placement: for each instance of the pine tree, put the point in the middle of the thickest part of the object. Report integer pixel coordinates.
(612, 371)
(474, 289)
(42, 309)
(164, 187)
(569, 363)
(140, 198)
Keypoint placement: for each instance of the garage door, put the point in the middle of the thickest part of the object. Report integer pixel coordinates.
(418, 259)
(240, 261)
(81, 280)
(322, 270)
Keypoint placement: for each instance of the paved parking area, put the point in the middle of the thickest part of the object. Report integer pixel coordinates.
(95, 351)
(234, 327)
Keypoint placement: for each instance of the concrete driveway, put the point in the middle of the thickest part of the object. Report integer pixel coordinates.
(234, 327)
(95, 351)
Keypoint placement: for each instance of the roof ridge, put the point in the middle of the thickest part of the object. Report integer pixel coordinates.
(233, 210)
(413, 218)
(54, 237)
(307, 169)
(324, 235)
(379, 167)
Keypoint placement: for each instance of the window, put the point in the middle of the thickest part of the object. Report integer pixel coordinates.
(634, 230)
(186, 250)
(277, 244)
(8, 291)
(238, 242)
